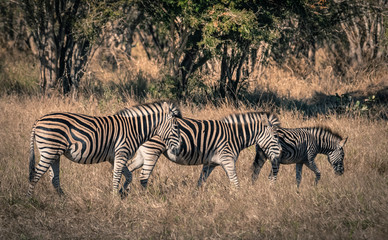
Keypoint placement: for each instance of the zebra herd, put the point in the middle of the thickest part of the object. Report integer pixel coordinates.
(158, 128)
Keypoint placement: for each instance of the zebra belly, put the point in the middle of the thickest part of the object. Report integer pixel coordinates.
(185, 161)
(289, 159)
(195, 159)
(77, 154)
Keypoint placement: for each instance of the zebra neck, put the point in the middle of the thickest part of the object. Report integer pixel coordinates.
(142, 129)
(326, 143)
(244, 134)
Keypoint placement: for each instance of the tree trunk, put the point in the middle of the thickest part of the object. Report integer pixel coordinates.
(224, 69)
(48, 60)
(62, 57)
(233, 84)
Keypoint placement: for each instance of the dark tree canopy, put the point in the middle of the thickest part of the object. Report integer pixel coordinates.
(185, 36)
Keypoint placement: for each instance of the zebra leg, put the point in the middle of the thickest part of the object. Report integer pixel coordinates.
(146, 171)
(298, 169)
(150, 157)
(206, 170)
(128, 179)
(313, 167)
(230, 169)
(54, 175)
(258, 163)
(118, 167)
(42, 167)
(274, 172)
(134, 165)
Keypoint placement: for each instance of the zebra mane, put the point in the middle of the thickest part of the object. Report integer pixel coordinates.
(172, 108)
(263, 116)
(176, 112)
(325, 129)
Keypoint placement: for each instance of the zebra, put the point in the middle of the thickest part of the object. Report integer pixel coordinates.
(301, 146)
(211, 143)
(91, 139)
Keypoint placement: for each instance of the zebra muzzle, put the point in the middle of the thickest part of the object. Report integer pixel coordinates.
(339, 171)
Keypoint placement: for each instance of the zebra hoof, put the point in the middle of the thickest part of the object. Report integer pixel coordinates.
(60, 192)
(254, 179)
(144, 183)
(123, 193)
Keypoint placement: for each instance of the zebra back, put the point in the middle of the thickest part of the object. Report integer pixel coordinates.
(326, 138)
(157, 108)
(253, 117)
(257, 128)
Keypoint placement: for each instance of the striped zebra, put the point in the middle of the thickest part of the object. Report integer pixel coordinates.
(89, 139)
(301, 146)
(211, 143)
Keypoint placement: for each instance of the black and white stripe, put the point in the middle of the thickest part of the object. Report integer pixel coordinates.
(212, 143)
(89, 139)
(301, 146)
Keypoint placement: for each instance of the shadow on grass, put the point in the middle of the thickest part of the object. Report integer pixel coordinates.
(373, 103)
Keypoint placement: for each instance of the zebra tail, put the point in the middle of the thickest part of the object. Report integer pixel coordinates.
(32, 154)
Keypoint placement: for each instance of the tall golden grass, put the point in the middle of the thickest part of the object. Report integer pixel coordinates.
(352, 206)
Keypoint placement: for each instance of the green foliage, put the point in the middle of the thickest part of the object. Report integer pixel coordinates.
(166, 88)
(365, 105)
(184, 34)
(234, 22)
(197, 91)
(356, 105)
(385, 38)
(89, 23)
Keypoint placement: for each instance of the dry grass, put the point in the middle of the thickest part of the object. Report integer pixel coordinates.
(352, 206)
(296, 80)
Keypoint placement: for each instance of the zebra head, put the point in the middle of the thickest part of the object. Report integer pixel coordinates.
(269, 141)
(169, 129)
(336, 157)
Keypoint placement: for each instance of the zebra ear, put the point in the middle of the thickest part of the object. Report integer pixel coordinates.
(343, 141)
(165, 107)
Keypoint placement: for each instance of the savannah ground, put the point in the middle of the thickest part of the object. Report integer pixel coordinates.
(351, 206)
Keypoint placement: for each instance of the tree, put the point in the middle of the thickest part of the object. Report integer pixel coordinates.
(118, 35)
(362, 38)
(64, 32)
(171, 34)
(351, 31)
(235, 32)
